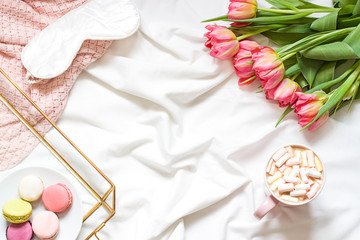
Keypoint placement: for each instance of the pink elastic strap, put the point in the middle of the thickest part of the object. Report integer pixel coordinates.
(269, 203)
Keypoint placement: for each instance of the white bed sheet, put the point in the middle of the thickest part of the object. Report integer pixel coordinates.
(186, 148)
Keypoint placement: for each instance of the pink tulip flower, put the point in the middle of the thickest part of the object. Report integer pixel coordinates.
(269, 68)
(243, 62)
(221, 41)
(284, 92)
(308, 106)
(242, 9)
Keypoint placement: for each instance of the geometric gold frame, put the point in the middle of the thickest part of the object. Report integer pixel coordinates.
(101, 200)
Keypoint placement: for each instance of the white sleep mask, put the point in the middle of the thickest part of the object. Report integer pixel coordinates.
(51, 51)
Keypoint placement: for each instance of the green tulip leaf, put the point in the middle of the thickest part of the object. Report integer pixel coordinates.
(333, 101)
(291, 61)
(357, 97)
(284, 38)
(315, 39)
(279, 19)
(348, 22)
(344, 103)
(353, 40)
(301, 81)
(346, 10)
(325, 73)
(356, 10)
(298, 28)
(300, 42)
(286, 112)
(331, 52)
(288, 22)
(292, 70)
(347, 2)
(250, 28)
(309, 68)
(336, 81)
(325, 23)
(336, 97)
(267, 14)
(292, 4)
(306, 4)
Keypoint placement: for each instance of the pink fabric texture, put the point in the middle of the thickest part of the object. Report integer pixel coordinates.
(20, 20)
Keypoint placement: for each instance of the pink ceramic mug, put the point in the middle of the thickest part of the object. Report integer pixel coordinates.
(274, 197)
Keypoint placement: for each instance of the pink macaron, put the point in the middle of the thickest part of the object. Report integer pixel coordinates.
(45, 225)
(57, 198)
(19, 231)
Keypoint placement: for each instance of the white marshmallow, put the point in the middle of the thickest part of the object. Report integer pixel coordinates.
(303, 176)
(314, 189)
(287, 171)
(295, 171)
(304, 161)
(293, 161)
(279, 154)
(318, 181)
(313, 173)
(310, 158)
(302, 186)
(275, 184)
(298, 193)
(287, 187)
(311, 182)
(268, 167)
(282, 160)
(298, 153)
(275, 177)
(290, 179)
(271, 168)
(282, 168)
(290, 199)
(290, 150)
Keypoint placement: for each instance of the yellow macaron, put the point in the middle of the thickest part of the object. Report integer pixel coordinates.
(17, 211)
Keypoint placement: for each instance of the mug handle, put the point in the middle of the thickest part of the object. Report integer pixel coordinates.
(269, 203)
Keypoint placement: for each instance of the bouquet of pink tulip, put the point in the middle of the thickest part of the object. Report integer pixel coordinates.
(306, 73)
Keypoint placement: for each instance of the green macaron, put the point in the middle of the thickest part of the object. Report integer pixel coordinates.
(17, 211)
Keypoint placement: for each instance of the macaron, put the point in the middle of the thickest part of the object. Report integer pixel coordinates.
(45, 225)
(57, 198)
(17, 211)
(19, 231)
(30, 188)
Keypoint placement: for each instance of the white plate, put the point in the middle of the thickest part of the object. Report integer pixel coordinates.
(70, 221)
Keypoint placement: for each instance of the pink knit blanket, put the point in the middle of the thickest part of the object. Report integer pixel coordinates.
(20, 20)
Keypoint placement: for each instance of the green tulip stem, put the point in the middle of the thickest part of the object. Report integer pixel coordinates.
(216, 19)
(356, 84)
(303, 45)
(249, 80)
(275, 10)
(295, 76)
(252, 33)
(337, 95)
(335, 81)
(286, 112)
(287, 56)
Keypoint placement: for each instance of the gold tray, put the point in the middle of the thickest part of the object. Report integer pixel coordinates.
(101, 198)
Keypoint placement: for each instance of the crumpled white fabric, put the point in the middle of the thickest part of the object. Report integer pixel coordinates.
(51, 51)
(187, 148)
